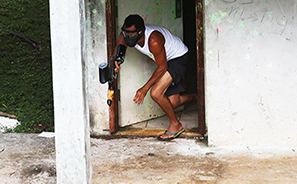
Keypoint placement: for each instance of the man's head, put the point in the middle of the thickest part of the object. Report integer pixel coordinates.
(133, 29)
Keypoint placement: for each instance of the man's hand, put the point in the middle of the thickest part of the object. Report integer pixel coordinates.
(117, 68)
(139, 97)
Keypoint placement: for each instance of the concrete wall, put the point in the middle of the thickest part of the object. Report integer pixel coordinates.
(250, 66)
(96, 53)
(72, 134)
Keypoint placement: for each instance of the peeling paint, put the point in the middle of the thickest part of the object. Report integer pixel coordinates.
(255, 32)
(241, 23)
(99, 23)
(215, 18)
(269, 14)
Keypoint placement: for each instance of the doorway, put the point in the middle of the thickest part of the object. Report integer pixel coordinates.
(189, 36)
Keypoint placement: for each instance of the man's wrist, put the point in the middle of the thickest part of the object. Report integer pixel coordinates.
(146, 88)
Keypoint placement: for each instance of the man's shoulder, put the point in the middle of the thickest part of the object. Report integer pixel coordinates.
(153, 30)
(156, 39)
(152, 26)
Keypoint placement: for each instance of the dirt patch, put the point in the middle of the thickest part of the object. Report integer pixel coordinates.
(33, 170)
(147, 160)
(250, 169)
(160, 168)
(27, 158)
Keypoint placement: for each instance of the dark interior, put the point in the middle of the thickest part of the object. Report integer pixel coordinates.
(189, 27)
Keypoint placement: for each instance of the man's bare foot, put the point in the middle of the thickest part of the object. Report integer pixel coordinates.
(172, 128)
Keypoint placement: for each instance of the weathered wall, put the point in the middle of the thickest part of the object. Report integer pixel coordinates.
(96, 53)
(250, 66)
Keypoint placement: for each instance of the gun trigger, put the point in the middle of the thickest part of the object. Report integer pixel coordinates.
(115, 76)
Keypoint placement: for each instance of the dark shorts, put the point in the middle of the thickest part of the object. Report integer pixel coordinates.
(177, 68)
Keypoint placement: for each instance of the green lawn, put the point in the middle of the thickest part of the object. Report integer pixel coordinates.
(25, 72)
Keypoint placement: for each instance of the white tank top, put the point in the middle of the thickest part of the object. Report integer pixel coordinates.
(173, 45)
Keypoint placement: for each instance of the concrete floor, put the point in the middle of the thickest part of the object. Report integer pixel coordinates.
(29, 158)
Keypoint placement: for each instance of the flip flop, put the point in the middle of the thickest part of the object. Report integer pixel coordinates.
(176, 134)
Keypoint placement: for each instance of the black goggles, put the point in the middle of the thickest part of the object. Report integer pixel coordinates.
(125, 31)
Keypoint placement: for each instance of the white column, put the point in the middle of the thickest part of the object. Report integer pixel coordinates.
(71, 111)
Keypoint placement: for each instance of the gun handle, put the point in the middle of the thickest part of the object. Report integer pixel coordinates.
(110, 95)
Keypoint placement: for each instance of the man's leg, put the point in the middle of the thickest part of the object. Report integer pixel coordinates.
(179, 100)
(158, 95)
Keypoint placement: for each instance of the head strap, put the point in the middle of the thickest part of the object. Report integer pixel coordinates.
(127, 31)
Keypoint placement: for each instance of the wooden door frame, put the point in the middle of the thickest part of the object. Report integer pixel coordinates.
(200, 66)
(111, 42)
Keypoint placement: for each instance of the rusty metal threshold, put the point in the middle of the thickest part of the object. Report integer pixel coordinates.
(134, 133)
(153, 132)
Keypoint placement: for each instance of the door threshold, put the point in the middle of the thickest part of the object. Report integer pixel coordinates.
(154, 132)
(128, 132)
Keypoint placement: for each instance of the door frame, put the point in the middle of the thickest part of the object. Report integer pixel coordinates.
(200, 66)
(111, 43)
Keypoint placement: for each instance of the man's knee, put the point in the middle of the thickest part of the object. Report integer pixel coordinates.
(175, 100)
(158, 90)
(155, 94)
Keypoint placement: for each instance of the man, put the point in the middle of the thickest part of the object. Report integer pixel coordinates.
(166, 83)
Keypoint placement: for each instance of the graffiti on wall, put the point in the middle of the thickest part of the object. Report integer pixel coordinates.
(258, 16)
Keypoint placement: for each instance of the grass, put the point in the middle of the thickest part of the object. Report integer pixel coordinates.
(25, 72)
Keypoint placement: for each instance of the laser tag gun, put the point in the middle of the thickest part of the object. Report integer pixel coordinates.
(106, 73)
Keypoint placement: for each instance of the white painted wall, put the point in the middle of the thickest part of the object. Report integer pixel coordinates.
(250, 68)
(72, 136)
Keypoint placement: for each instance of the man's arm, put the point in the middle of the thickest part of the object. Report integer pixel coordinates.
(156, 45)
